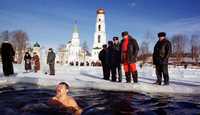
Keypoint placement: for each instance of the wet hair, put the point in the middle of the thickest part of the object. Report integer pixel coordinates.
(65, 84)
(161, 34)
(124, 33)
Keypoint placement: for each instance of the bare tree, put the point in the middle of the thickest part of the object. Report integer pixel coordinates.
(61, 53)
(178, 46)
(144, 47)
(195, 48)
(144, 51)
(20, 42)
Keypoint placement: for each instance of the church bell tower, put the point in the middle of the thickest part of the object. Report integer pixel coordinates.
(99, 35)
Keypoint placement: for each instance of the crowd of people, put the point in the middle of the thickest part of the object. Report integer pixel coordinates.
(112, 57)
(35, 61)
(8, 56)
(117, 53)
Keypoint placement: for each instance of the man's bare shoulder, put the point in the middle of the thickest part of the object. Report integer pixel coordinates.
(72, 101)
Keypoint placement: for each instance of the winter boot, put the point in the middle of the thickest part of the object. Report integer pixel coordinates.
(128, 77)
(135, 76)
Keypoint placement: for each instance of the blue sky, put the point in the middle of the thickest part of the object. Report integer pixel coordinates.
(50, 22)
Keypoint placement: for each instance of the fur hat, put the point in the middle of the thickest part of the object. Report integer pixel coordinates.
(110, 43)
(161, 34)
(124, 33)
(115, 38)
(104, 46)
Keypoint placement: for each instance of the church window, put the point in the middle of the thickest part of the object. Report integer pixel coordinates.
(99, 20)
(99, 27)
(99, 38)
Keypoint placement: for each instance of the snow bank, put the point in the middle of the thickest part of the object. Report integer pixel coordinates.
(91, 77)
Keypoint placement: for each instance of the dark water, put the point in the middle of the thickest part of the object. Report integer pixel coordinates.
(23, 99)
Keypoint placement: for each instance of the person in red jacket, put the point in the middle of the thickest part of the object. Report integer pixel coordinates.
(36, 62)
(129, 50)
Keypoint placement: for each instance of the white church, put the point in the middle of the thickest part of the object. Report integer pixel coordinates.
(73, 47)
(73, 52)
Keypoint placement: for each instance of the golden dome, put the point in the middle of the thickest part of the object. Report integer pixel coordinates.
(100, 11)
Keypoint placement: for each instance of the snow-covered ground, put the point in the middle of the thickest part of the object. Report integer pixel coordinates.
(183, 81)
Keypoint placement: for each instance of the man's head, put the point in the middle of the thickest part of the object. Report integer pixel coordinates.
(62, 89)
(161, 35)
(104, 46)
(110, 43)
(50, 49)
(125, 34)
(115, 40)
(27, 53)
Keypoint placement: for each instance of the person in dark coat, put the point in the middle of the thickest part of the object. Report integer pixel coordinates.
(112, 60)
(129, 50)
(162, 51)
(36, 61)
(104, 62)
(27, 60)
(118, 57)
(51, 61)
(7, 56)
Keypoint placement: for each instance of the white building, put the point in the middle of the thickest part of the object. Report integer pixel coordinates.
(73, 48)
(99, 35)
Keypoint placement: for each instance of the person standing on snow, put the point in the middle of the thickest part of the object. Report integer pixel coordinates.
(112, 60)
(118, 57)
(7, 56)
(104, 62)
(51, 61)
(36, 62)
(27, 60)
(129, 50)
(162, 51)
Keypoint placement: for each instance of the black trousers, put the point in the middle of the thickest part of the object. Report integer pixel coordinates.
(106, 73)
(8, 68)
(52, 69)
(162, 70)
(112, 70)
(119, 70)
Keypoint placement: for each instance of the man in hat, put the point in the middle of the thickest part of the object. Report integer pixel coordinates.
(104, 62)
(112, 60)
(7, 56)
(162, 51)
(51, 61)
(129, 50)
(118, 58)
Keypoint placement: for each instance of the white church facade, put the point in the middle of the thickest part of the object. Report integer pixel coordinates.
(73, 47)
